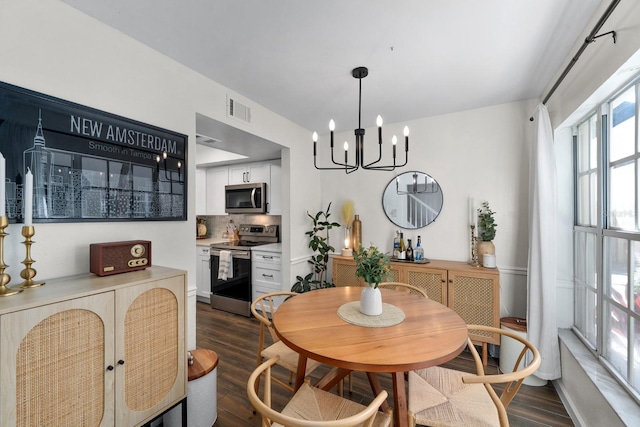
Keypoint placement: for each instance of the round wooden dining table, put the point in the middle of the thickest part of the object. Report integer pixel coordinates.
(429, 334)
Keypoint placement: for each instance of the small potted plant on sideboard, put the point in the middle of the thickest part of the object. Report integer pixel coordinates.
(487, 230)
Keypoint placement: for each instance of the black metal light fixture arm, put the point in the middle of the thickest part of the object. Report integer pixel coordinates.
(360, 73)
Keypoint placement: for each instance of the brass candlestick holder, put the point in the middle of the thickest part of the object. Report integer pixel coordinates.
(28, 273)
(474, 247)
(5, 290)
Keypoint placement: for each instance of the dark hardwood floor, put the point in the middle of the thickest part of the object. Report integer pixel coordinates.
(235, 339)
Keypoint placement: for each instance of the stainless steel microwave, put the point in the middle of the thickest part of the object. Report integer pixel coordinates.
(246, 198)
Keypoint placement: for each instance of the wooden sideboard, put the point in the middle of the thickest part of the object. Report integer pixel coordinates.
(94, 351)
(473, 292)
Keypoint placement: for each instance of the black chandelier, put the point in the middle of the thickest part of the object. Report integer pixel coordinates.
(360, 73)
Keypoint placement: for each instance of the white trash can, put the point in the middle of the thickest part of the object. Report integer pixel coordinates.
(202, 393)
(510, 349)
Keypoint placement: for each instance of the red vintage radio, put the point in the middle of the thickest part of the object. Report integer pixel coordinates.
(119, 257)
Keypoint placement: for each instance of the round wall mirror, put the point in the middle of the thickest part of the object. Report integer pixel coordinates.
(412, 200)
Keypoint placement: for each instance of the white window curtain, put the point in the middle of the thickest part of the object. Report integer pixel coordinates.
(542, 330)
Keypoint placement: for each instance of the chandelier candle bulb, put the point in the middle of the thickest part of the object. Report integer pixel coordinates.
(406, 139)
(315, 142)
(332, 126)
(394, 141)
(379, 123)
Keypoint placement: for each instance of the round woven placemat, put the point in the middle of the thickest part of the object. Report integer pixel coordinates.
(391, 315)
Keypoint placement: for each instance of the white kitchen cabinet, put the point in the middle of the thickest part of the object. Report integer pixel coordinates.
(203, 274)
(250, 172)
(217, 178)
(201, 191)
(99, 351)
(266, 272)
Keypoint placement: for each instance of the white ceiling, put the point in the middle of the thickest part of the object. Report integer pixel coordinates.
(425, 57)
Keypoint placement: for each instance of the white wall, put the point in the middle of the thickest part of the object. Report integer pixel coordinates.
(480, 153)
(49, 47)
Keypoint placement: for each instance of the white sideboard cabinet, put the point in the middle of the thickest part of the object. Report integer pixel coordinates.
(94, 351)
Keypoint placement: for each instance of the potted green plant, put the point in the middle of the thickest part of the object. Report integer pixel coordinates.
(319, 242)
(373, 267)
(487, 230)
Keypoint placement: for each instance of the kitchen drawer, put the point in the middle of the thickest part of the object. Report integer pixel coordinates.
(271, 279)
(270, 260)
(202, 251)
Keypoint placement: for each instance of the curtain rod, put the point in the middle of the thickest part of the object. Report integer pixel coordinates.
(590, 39)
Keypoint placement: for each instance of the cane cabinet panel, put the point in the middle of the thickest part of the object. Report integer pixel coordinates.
(151, 345)
(431, 280)
(94, 351)
(475, 298)
(53, 371)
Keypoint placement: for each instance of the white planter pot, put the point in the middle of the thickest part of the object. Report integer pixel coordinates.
(371, 301)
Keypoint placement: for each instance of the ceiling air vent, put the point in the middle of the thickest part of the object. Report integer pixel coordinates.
(238, 110)
(206, 140)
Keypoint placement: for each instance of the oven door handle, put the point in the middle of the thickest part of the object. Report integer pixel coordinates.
(234, 254)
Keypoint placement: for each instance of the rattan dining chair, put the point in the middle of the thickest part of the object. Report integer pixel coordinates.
(440, 396)
(288, 359)
(405, 287)
(313, 407)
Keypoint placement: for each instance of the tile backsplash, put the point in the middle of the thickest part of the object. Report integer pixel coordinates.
(217, 224)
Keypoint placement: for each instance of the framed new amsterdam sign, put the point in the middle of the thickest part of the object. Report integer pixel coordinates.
(86, 164)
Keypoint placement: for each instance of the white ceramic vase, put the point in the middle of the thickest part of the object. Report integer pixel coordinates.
(371, 301)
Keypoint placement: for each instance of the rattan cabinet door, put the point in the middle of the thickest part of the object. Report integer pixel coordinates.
(432, 281)
(344, 272)
(151, 370)
(55, 361)
(475, 297)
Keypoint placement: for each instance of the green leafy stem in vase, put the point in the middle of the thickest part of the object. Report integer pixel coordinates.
(486, 223)
(372, 265)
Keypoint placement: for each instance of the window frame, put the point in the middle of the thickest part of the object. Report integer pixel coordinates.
(603, 233)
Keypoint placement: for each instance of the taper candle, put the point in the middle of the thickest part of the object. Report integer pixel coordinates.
(27, 202)
(3, 207)
(472, 212)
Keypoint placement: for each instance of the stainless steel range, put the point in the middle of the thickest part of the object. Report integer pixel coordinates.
(231, 284)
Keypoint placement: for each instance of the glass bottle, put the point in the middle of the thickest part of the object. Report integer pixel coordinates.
(396, 245)
(409, 251)
(418, 252)
(403, 248)
(356, 232)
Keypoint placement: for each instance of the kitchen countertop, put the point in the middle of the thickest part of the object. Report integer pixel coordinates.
(210, 240)
(270, 247)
